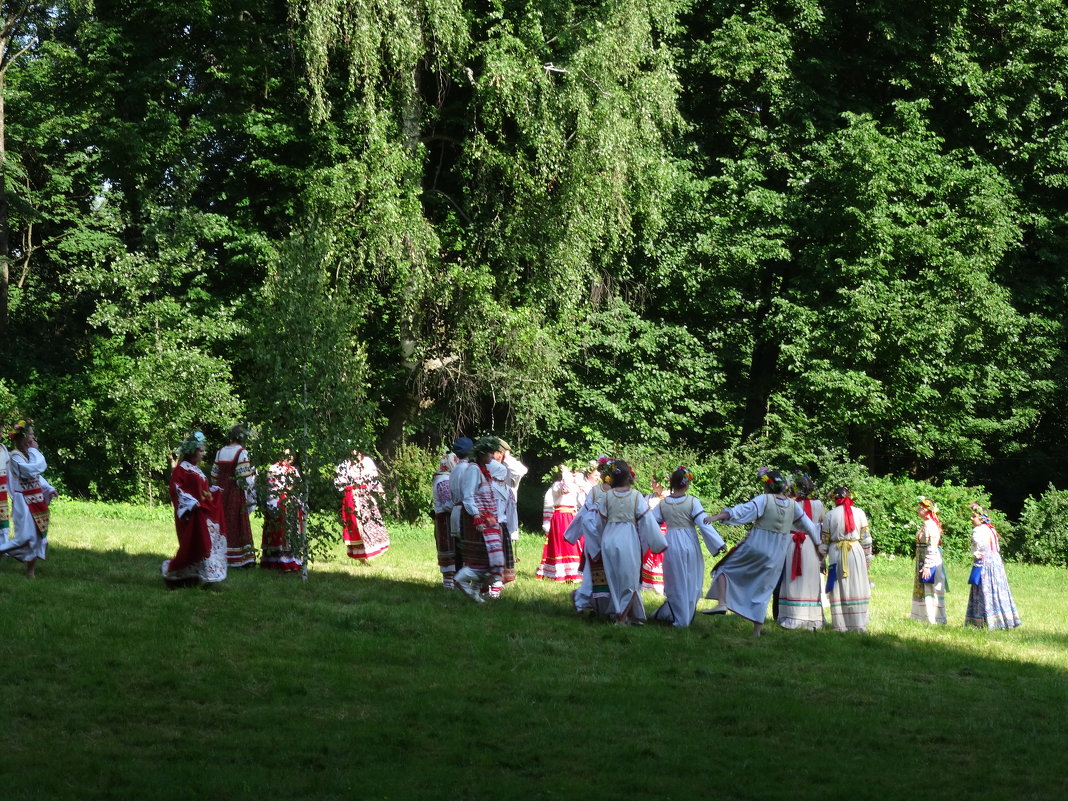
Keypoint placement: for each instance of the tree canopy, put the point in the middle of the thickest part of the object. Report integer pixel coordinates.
(656, 222)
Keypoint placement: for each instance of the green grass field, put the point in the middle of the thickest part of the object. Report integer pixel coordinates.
(372, 682)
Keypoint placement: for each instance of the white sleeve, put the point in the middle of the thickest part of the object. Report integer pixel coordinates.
(747, 512)
(713, 541)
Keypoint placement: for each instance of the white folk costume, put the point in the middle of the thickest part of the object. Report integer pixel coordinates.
(201, 556)
(653, 563)
(507, 515)
(592, 594)
(560, 560)
(929, 597)
(443, 539)
(625, 530)
(801, 585)
(456, 493)
(753, 566)
(236, 477)
(283, 519)
(5, 507)
(684, 562)
(483, 551)
(30, 496)
(516, 471)
(365, 534)
(990, 602)
(847, 545)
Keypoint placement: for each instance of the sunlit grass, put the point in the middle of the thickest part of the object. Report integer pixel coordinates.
(373, 682)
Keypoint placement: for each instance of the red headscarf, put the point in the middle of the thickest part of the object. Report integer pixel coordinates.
(847, 516)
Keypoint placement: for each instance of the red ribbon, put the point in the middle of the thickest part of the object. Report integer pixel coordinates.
(847, 517)
(799, 540)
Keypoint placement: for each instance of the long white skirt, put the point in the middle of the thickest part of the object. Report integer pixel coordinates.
(752, 570)
(621, 551)
(684, 575)
(801, 598)
(851, 595)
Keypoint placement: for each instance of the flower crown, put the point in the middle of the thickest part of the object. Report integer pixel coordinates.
(18, 428)
(928, 505)
(687, 475)
(980, 512)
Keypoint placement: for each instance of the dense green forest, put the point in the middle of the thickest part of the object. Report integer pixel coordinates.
(671, 224)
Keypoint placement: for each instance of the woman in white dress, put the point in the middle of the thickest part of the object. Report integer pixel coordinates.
(847, 545)
(592, 593)
(684, 563)
(625, 530)
(744, 579)
(30, 496)
(929, 572)
(800, 601)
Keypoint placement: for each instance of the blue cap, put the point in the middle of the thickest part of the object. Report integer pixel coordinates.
(462, 446)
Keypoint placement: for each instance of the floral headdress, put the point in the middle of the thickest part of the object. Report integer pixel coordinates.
(487, 444)
(19, 428)
(927, 505)
(682, 475)
(604, 467)
(980, 512)
(774, 481)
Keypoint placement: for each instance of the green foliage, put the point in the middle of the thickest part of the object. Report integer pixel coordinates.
(407, 478)
(1043, 529)
(780, 233)
(307, 383)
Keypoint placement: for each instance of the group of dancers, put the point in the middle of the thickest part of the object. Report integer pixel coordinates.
(600, 531)
(212, 515)
(610, 538)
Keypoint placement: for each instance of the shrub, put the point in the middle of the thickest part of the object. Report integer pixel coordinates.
(408, 478)
(1043, 528)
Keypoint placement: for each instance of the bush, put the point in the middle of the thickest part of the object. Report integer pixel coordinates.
(1043, 529)
(408, 478)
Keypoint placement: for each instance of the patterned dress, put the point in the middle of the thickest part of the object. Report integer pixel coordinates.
(443, 539)
(929, 598)
(5, 519)
(236, 478)
(30, 496)
(990, 603)
(365, 534)
(284, 515)
(560, 559)
(483, 549)
(201, 555)
(653, 563)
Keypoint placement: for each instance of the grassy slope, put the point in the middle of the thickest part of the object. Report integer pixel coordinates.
(373, 682)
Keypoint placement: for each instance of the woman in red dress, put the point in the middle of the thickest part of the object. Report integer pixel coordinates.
(201, 556)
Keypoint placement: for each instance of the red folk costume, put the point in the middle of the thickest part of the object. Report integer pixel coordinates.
(233, 473)
(560, 559)
(201, 555)
(284, 509)
(653, 563)
(365, 533)
(5, 515)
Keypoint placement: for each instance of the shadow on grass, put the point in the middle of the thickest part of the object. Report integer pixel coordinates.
(519, 698)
